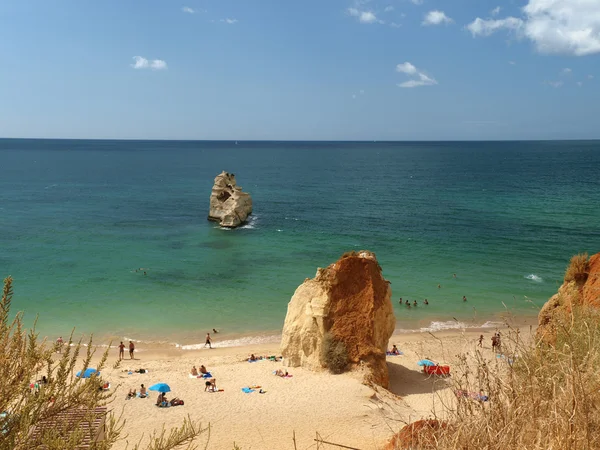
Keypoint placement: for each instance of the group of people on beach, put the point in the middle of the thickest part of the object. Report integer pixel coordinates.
(122, 350)
(496, 343)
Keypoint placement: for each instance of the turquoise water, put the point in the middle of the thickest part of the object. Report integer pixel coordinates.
(77, 218)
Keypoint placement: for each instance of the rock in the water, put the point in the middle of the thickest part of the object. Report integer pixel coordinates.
(228, 204)
(351, 301)
(582, 290)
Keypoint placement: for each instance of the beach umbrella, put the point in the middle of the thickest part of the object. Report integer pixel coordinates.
(425, 362)
(160, 387)
(88, 373)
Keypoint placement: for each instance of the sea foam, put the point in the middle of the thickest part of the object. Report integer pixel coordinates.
(243, 341)
(534, 277)
(446, 325)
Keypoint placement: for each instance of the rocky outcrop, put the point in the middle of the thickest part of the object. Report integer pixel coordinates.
(579, 289)
(228, 204)
(422, 434)
(350, 301)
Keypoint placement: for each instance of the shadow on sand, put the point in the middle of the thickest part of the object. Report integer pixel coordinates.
(405, 381)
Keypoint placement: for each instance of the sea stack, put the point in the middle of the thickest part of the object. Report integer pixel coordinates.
(228, 204)
(350, 303)
(581, 288)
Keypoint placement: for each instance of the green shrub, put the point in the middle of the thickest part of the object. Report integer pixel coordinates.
(334, 355)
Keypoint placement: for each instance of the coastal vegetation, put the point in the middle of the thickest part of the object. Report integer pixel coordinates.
(45, 405)
(578, 268)
(334, 355)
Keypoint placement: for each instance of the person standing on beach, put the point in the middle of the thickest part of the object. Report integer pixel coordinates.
(480, 341)
(121, 350)
(131, 349)
(59, 343)
(207, 341)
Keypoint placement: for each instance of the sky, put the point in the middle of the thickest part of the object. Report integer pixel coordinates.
(300, 70)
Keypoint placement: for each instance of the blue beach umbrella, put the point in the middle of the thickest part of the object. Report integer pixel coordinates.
(426, 362)
(88, 373)
(160, 387)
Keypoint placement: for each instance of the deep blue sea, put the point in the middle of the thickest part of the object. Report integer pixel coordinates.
(77, 218)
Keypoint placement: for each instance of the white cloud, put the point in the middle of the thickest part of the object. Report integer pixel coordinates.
(512, 63)
(417, 2)
(419, 77)
(580, 83)
(229, 21)
(564, 26)
(554, 84)
(406, 68)
(362, 92)
(389, 8)
(153, 64)
(353, 95)
(495, 11)
(395, 25)
(436, 18)
(481, 27)
(364, 16)
(187, 9)
(570, 27)
(566, 71)
(590, 77)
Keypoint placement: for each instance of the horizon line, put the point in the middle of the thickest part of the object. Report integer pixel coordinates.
(296, 140)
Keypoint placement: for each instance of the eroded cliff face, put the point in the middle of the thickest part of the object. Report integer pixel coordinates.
(351, 301)
(228, 204)
(583, 292)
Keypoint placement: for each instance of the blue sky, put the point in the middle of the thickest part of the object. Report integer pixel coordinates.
(276, 69)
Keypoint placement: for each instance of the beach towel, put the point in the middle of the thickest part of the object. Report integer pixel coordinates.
(288, 376)
(194, 376)
(253, 360)
(207, 375)
(394, 354)
(247, 390)
(145, 396)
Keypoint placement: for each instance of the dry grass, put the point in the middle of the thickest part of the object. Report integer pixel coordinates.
(540, 397)
(578, 269)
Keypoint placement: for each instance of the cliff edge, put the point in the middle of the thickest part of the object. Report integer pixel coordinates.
(581, 287)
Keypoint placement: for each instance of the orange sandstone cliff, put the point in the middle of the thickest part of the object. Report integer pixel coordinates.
(349, 300)
(581, 288)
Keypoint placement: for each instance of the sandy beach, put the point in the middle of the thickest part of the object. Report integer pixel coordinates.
(338, 407)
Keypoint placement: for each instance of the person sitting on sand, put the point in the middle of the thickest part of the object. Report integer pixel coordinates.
(162, 399)
(210, 385)
(281, 373)
(194, 371)
(395, 350)
(132, 393)
(143, 393)
(252, 357)
(203, 369)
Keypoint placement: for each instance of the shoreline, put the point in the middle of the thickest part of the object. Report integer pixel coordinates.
(273, 338)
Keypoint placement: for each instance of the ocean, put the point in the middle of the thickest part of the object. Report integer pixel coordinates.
(80, 219)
